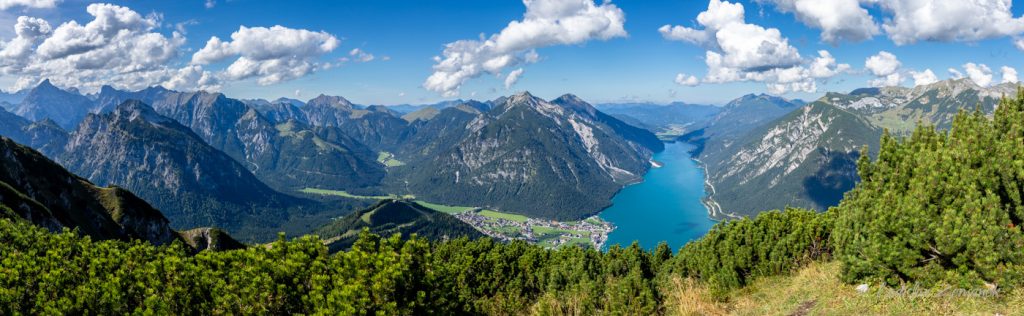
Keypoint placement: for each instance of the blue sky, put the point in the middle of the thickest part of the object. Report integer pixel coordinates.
(405, 36)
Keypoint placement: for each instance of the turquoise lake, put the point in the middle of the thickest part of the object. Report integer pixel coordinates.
(666, 206)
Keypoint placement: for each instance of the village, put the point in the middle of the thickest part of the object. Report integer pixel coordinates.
(590, 232)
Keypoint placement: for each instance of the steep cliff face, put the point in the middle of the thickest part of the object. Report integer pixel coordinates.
(42, 192)
(553, 160)
(172, 167)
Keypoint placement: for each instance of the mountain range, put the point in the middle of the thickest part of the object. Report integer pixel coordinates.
(209, 160)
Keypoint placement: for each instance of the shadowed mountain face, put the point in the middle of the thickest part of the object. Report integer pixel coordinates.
(561, 159)
(170, 166)
(37, 189)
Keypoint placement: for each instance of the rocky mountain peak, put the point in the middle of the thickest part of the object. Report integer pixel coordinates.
(574, 103)
(134, 109)
(331, 101)
(46, 85)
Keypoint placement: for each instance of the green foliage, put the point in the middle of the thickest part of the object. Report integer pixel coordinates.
(735, 252)
(66, 273)
(940, 207)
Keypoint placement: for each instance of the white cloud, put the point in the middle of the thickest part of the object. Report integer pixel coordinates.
(890, 80)
(924, 78)
(738, 51)
(118, 46)
(360, 55)
(513, 77)
(948, 20)
(824, 66)
(29, 32)
(689, 81)
(885, 67)
(35, 4)
(192, 77)
(209, 4)
(955, 74)
(741, 45)
(1019, 43)
(271, 55)
(838, 20)
(1009, 74)
(545, 23)
(979, 73)
(882, 64)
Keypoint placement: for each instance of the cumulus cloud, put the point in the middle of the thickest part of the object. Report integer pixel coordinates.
(513, 77)
(885, 67)
(29, 32)
(979, 73)
(739, 51)
(838, 20)
(1009, 75)
(545, 23)
(271, 55)
(882, 64)
(118, 46)
(35, 4)
(906, 21)
(924, 78)
(689, 81)
(192, 77)
(944, 20)
(209, 4)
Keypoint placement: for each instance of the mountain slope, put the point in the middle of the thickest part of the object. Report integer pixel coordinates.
(288, 159)
(899, 109)
(736, 119)
(394, 217)
(44, 193)
(170, 166)
(45, 135)
(805, 159)
(534, 157)
(376, 127)
(47, 101)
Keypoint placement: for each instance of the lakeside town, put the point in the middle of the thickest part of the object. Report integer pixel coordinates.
(590, 232)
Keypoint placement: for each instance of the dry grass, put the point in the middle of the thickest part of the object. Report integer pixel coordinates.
(816, 290)
(687, 297)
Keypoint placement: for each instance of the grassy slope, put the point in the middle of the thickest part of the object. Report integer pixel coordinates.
(817, 290)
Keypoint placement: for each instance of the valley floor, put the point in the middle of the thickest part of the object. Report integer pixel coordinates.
(591, 232)
(817, 290)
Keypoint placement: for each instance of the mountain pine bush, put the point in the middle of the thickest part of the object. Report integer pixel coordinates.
(940, 208)
(735, 252)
